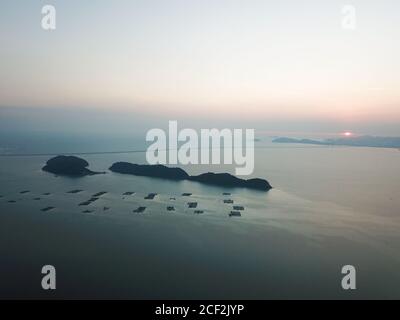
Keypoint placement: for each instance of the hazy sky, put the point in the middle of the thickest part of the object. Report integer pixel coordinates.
(247, 60)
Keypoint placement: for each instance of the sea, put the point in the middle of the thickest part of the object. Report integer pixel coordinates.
(330, 207)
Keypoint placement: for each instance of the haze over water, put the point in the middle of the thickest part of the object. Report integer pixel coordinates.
(330, 206)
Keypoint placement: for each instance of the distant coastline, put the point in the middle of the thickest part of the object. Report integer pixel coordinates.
(359, 141)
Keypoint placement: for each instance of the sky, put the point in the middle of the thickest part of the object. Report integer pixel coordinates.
(276, 65)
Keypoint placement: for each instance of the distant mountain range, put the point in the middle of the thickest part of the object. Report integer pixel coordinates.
(360, 141)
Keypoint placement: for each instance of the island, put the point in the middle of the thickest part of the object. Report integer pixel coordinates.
(217, 179)
(228, 180)
(68, 166)
(76, 167)
(158, 171)
(302, 141)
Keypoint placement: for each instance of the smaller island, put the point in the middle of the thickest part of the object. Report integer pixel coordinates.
(228, 180)
(69, 166)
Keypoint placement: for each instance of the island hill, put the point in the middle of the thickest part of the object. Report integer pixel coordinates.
(69, 166)
(76, 167)
(218, 179)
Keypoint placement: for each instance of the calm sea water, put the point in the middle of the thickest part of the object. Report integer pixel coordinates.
(330, 207)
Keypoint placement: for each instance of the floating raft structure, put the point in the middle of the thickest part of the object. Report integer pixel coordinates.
(90, 201)
(150, 196)
(192, 205)
(75, 191)
(99, 194)
(235, 214)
